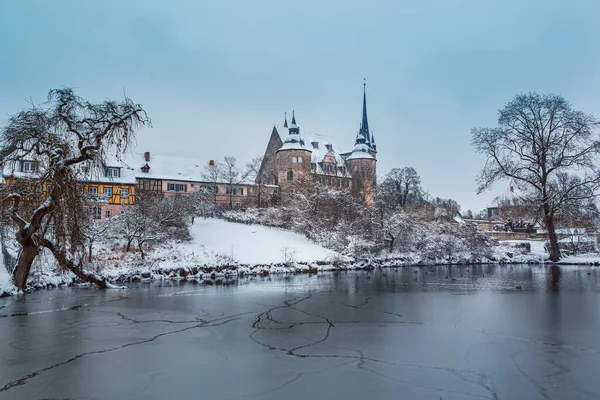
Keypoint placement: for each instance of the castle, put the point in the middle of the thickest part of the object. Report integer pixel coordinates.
(287, 159)
(290, 158)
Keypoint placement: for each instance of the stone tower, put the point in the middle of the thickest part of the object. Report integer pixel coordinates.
(293, 158)
(362, 162)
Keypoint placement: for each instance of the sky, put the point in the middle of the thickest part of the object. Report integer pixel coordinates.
(215, 76)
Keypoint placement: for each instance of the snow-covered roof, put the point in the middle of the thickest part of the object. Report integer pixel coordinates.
(174, 168)
(294, 142)
(360, 151)
(86, 171)
(319, 153)
(100, 174)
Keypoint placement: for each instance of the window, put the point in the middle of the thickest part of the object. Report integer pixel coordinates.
(107, 213)
(300, 159)
(29, 166)
(146, 185)
(107, 193)
(124, 193)
(93, 191)
(297, 159)
(209, 189)
(234, 191)
(176, 187)
(290, 175)
(49, 188)
(113, 172)
(96, 213)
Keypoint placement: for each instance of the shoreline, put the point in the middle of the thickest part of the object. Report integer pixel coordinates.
(211, 275)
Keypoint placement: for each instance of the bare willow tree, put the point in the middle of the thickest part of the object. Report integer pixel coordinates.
(547, 149)
(41, 149)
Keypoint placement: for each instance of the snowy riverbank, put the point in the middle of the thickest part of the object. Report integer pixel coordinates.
(221, 250)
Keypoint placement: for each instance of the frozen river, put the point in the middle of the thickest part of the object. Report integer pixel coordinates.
(412, 333)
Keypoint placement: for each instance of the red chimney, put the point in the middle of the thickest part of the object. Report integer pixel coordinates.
(147, 156)
(211, 162)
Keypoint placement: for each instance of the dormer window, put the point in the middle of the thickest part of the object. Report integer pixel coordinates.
(29, 166)
(145, 168)
(329, 147)
(113, 172)
(315, 144)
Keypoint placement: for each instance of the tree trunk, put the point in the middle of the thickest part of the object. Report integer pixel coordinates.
(90, 252)
(140, 245)
(65, 262)
(549, 218)
(258, 197)
(29, 252)
(128, 248)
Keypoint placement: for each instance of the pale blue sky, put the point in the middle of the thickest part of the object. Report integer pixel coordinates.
(215, 76)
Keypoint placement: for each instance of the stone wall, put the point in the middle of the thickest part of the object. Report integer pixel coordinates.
(285, 163)
(364, 178)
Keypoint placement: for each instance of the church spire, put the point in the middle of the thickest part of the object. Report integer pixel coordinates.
(285, 125)
(365, 121)
(293, 119)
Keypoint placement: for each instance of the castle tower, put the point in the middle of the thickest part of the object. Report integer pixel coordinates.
(293, 158)
(361, 162)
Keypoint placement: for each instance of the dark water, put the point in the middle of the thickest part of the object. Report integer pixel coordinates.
(409, 333)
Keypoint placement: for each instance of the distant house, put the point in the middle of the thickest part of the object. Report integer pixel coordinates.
(170, 176)
(108, 187)
(493, 213)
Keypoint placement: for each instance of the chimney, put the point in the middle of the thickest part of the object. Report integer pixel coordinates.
(211, 163)
(147, 156)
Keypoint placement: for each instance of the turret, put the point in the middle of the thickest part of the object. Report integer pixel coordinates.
(361, 162)
(293, 158)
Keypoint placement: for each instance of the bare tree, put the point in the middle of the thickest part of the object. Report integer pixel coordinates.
(253, 174)
(212, 174)
(43, 145)
(94, 231)
(231, 175)
(401, 187)
(547, 149)
(155, 218)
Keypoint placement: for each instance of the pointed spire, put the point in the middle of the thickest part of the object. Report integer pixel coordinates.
(363, 134)
(365, 122)
(373, 145)
(294, 129)
(285, 125)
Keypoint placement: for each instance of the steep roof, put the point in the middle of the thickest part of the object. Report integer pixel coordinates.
(174, 168)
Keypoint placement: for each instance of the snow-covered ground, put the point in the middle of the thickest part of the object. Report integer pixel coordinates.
(220, 248)
(6, 286)
(538, 252)
(255, 244)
